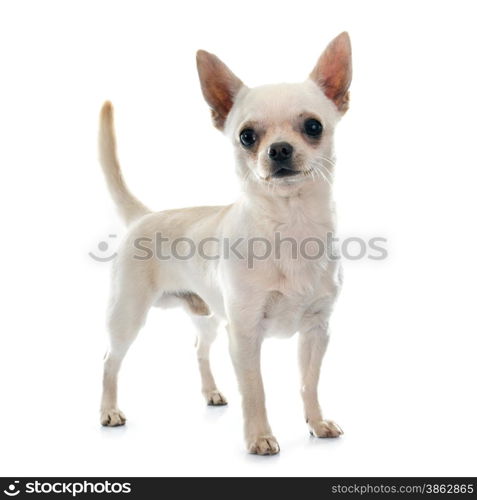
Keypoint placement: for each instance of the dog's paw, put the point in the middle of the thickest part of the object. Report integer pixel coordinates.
(325, 429)
(215, 398)
(112, 418)
(264, 445)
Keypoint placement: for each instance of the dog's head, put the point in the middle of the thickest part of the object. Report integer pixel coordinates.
(282, 134)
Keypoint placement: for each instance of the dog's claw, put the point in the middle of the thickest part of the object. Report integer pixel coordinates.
(112, 418)
(325, 429)
(264, 445)
(215, 398)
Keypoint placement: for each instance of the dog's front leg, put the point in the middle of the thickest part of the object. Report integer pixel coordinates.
(245, 346)
(312, 344)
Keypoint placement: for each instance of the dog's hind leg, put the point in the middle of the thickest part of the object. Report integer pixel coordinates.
(207, 329)
(127, 315)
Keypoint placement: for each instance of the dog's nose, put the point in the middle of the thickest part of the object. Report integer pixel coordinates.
(280, 151)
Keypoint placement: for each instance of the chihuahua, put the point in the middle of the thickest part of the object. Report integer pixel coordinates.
(282, 137)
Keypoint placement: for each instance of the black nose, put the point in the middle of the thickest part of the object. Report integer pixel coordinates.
(280, 151)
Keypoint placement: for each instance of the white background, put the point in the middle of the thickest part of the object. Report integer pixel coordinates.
(400, 373)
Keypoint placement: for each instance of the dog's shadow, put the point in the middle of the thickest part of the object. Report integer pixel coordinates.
(214, 413)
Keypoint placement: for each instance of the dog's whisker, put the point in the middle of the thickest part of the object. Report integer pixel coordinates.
(322, 171)
(324, 177)
(318, 170)
(329, 160)
(327, 170)
(319, 161)
(328, 177)
(329, 181)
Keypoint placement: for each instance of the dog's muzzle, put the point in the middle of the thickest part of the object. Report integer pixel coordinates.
(280, 155)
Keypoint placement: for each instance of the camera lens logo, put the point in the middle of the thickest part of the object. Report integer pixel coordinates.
(103, 247)
(12, 490)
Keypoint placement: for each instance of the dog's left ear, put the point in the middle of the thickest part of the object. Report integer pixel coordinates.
(219, 86)
(333, 71)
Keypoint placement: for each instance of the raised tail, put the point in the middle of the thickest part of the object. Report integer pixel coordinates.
(129, 207)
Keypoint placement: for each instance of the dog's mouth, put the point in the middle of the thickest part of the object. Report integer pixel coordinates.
(284, 172)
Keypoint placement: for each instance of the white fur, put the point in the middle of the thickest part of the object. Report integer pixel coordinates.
(276, 297)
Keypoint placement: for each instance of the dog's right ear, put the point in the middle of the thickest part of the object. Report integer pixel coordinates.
(219, 86)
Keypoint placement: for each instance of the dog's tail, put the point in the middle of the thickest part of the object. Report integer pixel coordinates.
(129, 207)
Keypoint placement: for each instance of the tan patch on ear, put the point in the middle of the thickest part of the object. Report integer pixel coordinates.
(219, 86)
(333, 72)
(218, 119)
(344, 104)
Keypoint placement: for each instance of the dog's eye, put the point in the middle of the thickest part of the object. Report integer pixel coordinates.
(313, 127)
(248, 137)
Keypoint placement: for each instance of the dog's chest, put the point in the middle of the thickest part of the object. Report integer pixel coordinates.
(288, 268)
(294, 296)
(301, 251)
(302, 281)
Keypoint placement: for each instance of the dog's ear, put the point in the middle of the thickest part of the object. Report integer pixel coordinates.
(219, 86)
(333, 71)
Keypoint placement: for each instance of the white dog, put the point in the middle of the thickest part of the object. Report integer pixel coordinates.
(282, 136)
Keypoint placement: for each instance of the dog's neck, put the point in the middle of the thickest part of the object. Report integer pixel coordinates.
(306, 204)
